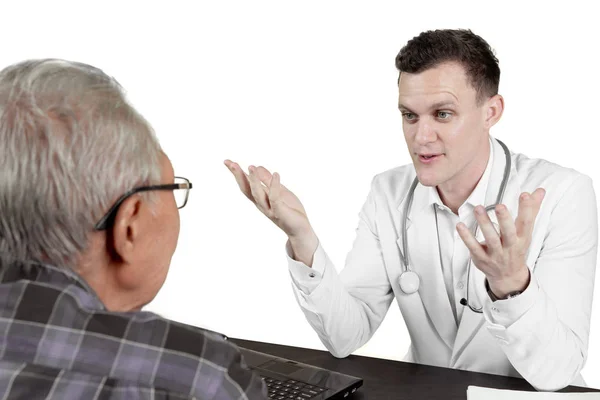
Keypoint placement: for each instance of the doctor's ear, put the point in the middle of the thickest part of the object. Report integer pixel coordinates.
(493, 107)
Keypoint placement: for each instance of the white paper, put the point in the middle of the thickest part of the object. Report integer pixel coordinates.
(483, 393)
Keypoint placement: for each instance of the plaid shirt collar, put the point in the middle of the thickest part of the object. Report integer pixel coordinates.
(50, 275)
(45, 275)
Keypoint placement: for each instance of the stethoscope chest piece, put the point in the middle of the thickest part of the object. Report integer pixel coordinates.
(409, 282)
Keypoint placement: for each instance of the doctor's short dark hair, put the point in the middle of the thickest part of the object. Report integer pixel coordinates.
(432, 48)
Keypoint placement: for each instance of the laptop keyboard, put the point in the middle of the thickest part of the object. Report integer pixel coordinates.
(291, 389)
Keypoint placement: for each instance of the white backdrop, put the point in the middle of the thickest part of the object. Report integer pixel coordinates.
(308, 89)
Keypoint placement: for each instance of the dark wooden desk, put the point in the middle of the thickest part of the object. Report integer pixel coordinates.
(387, 379)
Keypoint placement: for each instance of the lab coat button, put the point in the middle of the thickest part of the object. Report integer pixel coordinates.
(460, 285)
(312, 275)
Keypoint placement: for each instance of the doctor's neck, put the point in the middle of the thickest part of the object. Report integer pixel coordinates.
(456, 190)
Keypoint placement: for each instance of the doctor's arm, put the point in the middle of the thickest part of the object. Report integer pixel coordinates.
(345, 309)
(545, 331)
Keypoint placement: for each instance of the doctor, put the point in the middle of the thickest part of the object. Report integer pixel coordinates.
(508, 291)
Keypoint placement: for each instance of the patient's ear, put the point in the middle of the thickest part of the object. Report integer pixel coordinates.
(127, 237)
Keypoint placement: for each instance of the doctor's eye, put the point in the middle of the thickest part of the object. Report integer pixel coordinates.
(409, 116)
(444, 115)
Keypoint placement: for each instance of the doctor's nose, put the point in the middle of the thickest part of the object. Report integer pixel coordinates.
(424, 133)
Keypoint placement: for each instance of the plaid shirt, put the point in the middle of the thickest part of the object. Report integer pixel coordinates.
(57, 340)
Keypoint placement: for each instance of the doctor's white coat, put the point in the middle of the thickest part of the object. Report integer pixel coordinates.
(547, 345)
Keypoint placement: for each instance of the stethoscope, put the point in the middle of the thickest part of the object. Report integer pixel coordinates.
(409, 280)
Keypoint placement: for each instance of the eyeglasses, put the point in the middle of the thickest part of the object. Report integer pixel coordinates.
(181, 191)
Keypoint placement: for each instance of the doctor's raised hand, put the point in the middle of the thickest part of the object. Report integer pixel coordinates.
(501, 257)
(278, 204)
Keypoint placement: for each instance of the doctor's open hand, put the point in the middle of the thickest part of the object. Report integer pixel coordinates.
(501, 257)
(280, 205)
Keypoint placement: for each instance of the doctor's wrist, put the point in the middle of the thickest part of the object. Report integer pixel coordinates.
(509, 286)
(304, 246)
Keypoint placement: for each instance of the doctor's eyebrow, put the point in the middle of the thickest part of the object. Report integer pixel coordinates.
(436, 106)
(404, 108)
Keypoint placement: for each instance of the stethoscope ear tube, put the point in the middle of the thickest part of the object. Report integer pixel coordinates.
(409, 201)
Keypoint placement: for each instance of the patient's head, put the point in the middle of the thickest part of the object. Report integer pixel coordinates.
(70, 146)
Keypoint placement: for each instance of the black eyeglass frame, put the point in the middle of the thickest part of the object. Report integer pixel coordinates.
(107, 219)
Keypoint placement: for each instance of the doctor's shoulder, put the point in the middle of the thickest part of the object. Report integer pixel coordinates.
(554, 178)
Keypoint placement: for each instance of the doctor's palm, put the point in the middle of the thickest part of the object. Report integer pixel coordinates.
(273, 199)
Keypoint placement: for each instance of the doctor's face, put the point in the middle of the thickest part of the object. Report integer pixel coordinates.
(444, 127)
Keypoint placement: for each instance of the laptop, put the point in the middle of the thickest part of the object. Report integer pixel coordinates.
(287, 379)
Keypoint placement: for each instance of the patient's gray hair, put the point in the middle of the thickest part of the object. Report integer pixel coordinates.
(70, 145)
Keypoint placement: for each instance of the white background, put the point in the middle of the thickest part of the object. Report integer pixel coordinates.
(308, 89)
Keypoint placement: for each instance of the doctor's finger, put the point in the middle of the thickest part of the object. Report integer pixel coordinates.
(275, 194)
(241, 178)
(536, 199)
(264, 175)
(538, 195)
(508, 230)
(259, 192)
(492, 239)
(528, 208)
(475, 248)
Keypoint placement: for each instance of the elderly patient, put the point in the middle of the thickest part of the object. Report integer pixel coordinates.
(89, 221)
